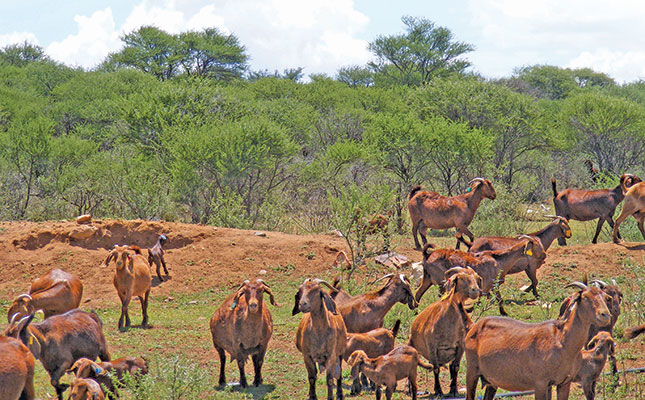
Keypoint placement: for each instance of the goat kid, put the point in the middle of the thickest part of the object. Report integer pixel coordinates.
(155, 256)
(593, 361)
(85, 389)
(106, 373)
(634, 205)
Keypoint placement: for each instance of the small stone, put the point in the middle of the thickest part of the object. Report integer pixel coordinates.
(169, 298)
(84, 219)
(263, 272)
(192, 302)
(261, 234)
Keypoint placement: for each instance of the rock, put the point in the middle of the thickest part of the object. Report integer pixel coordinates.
(84, 219)
(417, 271)
(192, 302)
(169, 298)
(263, 272)
(83, 232)
(392, 260)
(261, 234)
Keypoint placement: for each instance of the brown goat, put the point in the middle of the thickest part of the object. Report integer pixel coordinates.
(366, 312)
(85, 389)
(60, 340)
(55, 292)
(16, 370)
(105, 373)
(634, 331)
(615, 299)
(593, 361)
(558, 228)
(438, 331)
(242, 326)
(131, 279)
(634, 205)
(321, 335)
(388, 369)
(374, 343)
(155, 255)
(430, 210)
(489, 265)
(519, 356)
(585, 205)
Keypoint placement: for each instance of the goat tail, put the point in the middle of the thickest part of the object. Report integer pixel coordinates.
(134, 248)
(395, 328)
(635, 331)
(96, 318)
(414, 191)
(427, 250)
(425, 365)
(555, 189)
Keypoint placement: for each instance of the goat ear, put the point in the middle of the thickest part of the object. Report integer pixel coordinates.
(267, 290)
(329, 302)
(296, 303)
(236, 299)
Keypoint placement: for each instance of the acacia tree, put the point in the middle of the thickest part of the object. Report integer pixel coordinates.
(423, 52)
(22, 54)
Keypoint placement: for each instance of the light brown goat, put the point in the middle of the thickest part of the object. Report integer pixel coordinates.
(585, 205)
(155, 256)
(60, 340)
(558, 228)
(593, 361)
(16, 370)
(85, 389)
(634, 205)
(367, 311)
(516, 355)
(430, 210)
(387, 370)
(374, 343)
(131, 279)
(438, 332)
(321, 335)
(634, 331)
(55, 292)
(242, 326)
(105, 373)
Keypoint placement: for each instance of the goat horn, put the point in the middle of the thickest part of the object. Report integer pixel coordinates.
(24, 296)
(262, 282)
(475, 180)
(598, 282)
(453, 270)
(577, 284)
(383, 277)
(24, 318)
(525, 236)
(323, 282)
(13, 318)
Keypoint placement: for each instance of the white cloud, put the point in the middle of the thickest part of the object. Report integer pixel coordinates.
(622, 66)
(18, 37)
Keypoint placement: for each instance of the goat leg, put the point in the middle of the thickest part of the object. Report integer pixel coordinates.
(601, 220)
(562, 390)
(378, 392)
(454, 370)
(258, 360)
(489, 393)
(158, 265)
(125, 301)
(388, 392)
(412, 384)
(610, 221)
(222, 364)
(472, 377)
(356, 386)
(532, 274)
(144, 310)
(437, 383)
(240, 365)
(163, 262)
(311, 375)
(339, 379)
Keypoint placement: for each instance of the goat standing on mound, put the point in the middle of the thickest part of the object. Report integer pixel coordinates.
(634, 205)
(518, 356)
(430, 210)
(131, 278)
(155, 255)
(585, 205)
(321, 336)
(242, 326)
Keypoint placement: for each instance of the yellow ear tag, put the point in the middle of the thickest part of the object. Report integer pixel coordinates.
(568, 232)
(445, 296)
(529, 252)
(31, 340)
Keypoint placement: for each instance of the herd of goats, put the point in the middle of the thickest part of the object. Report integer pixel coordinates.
(500, 352)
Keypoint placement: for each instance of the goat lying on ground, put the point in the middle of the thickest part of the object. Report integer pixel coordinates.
(438, 332)
(60, 340)
(105, 373)
(374, 343)
(16, 370)
(155, 255)
(85, 389)
(321, 335)
(518, 356)
(367, 311)
(593, 361)
(388, 369)
(430, 210)
(131, 279)
(585, 205)
(55, 292)
(634, 205)
(242, 326)
(558, 228)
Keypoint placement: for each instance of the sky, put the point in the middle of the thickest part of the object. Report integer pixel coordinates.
(324, 35)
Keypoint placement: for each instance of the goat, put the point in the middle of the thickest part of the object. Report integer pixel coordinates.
(55, 292)
(634, 205)
(131, 278)
(105, 373)
(85, 389)
(438, 331)
(388, 369)
(321, 335)
(366, 312)
(489, 265)
(615, 298)
(374, 343)
(155, 255)
(593, 361)
(519, 356)
(593, 172)
(16, 370)
(60, 340)
(242, 326)
(585, 205)
(434, 211)
(558, 228)
(634, 331)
